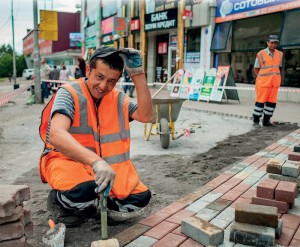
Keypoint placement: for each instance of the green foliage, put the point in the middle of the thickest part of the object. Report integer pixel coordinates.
(6, 61)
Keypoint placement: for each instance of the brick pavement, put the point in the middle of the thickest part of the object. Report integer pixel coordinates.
(216, 201)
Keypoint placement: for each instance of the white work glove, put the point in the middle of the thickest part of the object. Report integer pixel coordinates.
(104, 175)
(133, 62)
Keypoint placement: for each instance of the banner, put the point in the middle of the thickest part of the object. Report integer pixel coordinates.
(176, 81)
(231, 93)
(221, 78)
(187, 80)
(48, 25)
(208, 83)
(196, 84)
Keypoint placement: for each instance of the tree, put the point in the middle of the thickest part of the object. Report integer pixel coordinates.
(6, 61)
(5, 49)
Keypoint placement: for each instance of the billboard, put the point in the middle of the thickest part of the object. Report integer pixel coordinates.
(228, 10)
(75, 39)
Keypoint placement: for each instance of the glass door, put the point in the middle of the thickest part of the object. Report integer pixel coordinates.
(171, 61)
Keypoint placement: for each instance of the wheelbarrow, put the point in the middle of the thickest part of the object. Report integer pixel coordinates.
(166, 112)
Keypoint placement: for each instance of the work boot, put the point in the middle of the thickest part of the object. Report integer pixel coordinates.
(256, 125)
(60, 214)
(268, 124)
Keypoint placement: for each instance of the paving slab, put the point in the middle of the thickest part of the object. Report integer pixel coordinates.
(216, 202)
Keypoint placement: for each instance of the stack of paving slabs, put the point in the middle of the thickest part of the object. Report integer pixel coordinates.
(15, 220)
(287, 170)
(255, 225)
(279, 194)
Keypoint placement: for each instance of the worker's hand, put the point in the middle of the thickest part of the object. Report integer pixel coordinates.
(133, 62)
(104, 175)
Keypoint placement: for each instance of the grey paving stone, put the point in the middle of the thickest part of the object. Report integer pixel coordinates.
(281, 156)
(219, 204)
(290, 169)
(233, 170)
(207, 214)
(226, 244)
(197, 205)
(262, 153)
(241, 165)
(285, 178)
(251, 180)
(227, 214)
(220, 222)
(202, 231)
(253, 235)
(211, 197)
(278, 229)
(296, 208)
(271, 155)
(144, 241)
(258, 173)
(250, 169)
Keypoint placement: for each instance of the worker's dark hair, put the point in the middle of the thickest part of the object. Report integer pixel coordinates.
(109, 56)
(114, 61)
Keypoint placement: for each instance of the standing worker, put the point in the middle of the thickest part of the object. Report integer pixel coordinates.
(45, 72)
(85, 128)
(267, 67)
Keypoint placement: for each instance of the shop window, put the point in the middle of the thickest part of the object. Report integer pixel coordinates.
(109, 8)
(292, 67)
(290, 31)
(251, 34)
(221, 36)
(193, 40)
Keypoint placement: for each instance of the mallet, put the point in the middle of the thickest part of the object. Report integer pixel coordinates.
(104, 242)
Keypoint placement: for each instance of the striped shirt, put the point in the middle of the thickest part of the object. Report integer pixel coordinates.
(64, 104)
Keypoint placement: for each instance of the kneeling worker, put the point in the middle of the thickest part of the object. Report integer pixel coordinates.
(85, 128)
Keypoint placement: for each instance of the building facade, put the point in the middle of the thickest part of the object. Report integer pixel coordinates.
(171, 34)
(242, 28)
(65, 50)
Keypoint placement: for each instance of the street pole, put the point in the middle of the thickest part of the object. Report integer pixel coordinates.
(36, 56)
(14, 53)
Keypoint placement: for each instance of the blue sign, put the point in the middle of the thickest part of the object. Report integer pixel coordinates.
(230, 7)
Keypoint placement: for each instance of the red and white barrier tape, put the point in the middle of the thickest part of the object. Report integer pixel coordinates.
(288, 90)
(5, 97)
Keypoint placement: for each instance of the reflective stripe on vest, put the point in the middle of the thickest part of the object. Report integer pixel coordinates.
(269, 70)
(83, 128)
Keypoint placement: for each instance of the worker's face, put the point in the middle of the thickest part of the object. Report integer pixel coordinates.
(102, 79)
(272, 45)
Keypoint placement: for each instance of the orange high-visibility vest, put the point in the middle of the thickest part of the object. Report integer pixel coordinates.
(269, 73)
(110, 139)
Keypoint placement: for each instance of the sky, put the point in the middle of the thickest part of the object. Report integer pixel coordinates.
(23, 18)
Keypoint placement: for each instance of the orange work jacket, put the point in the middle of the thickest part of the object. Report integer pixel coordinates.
(269, 73)
(110, 139)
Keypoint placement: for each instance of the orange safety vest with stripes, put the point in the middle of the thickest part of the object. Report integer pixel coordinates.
(110, 139)
(269, 73)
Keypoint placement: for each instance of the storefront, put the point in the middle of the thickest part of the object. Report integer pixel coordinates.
(242, 28)
(161, 29)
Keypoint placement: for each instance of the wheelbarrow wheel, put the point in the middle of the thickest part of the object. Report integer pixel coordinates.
(165, 130)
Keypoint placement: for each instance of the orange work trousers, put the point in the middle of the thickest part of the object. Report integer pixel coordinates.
(266, 94)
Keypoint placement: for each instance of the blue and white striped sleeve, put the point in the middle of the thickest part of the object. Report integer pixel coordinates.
(63, 104)
(132, 107)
